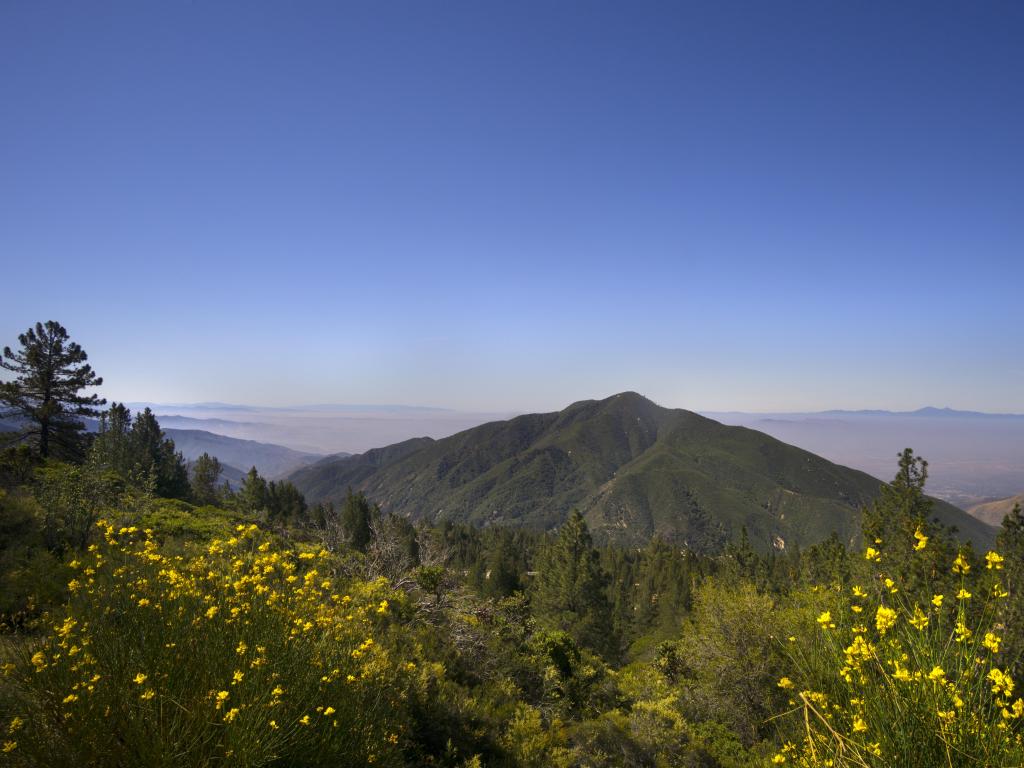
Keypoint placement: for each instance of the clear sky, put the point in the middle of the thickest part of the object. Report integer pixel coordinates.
(757, 205)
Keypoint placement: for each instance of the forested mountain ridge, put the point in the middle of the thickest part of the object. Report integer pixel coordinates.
(634, 469)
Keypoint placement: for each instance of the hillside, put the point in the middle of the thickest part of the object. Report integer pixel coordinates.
(633, 468)
(271, 461)
(993, 512)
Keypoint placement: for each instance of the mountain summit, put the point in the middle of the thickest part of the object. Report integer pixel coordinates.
(633, 468)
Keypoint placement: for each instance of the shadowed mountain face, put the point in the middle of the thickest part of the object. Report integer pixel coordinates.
(633, 468)
(271, 461)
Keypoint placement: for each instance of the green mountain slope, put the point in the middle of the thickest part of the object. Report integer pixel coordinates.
(633, 468)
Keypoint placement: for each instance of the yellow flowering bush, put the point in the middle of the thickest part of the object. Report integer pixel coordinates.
(921, 684)
(236, 654)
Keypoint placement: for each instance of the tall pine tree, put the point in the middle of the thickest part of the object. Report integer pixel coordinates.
(571, 589)
(50, 374)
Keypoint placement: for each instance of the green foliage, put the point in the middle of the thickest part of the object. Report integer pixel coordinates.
(890, 679)
(138, 451)
(50, 373)
(356, 514)
(204, 474)
(72, 498)
(570, 588)
(278, 670)
(729, 657)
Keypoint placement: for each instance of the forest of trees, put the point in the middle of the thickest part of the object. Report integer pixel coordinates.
(151, 615)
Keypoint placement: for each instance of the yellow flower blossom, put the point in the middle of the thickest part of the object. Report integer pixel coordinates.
(785, 683)
(920, 619)
(922, 540)
(992, 642)
(994, 561)
(885, 618)
(872, 554)
(960, 565)
(937, 600)
(139, 679)
(963, 594)
(825, 620)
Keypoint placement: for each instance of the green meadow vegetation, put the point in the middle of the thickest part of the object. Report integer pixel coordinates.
(151, 616)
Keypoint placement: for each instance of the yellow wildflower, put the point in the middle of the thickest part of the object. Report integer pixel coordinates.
(139, 679)
(992, 642)
(785, 683)
(920, 620)
(211, 611)
(963, 594)
(872, 554)
(329, 711)
(147, 694)
(859, 725)
(922, 540)
(884, 619)
(994, 561)
(960, 565)
(937, 674)
(825, 620)
(937, 600)
(231, 714)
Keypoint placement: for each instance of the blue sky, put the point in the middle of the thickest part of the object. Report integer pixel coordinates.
(759, 206)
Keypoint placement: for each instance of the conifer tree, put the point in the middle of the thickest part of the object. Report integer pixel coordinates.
(252, 497)
(571, 588)
(356, 514)
(155, 457)
(916, 548)
(205, 472)
(50, 373)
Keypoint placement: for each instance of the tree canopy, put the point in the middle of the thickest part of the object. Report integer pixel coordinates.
(50, 373)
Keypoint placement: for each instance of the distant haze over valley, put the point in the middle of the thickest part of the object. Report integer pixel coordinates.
(973, 457)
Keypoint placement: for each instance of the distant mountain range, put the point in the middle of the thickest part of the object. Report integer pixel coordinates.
(271, 461)
(633, 468)
(993, 512)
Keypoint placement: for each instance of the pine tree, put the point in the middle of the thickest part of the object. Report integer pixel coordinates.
(252, 497)
(205, 472)
(155, 458)
(355, 520)
(50, 374)
(571, 588)
(916, 547)
(111, 448)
